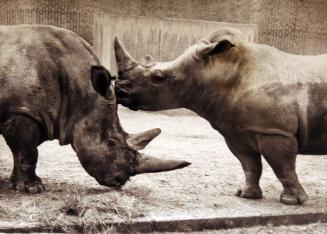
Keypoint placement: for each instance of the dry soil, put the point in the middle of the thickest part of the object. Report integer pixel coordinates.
(203, 190)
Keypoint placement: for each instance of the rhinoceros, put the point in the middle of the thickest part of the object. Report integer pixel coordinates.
(54, 87)
(262, 100)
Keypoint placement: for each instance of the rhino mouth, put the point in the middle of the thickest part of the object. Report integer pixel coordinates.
(126, 100)
(122, 96)
(133, 107)
(114, 182)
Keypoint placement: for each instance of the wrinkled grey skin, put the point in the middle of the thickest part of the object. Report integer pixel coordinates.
(47, 93)
(262, 100)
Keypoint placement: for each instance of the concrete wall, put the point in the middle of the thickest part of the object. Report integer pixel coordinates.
(163, 38)
(296, 26)
(75, 15)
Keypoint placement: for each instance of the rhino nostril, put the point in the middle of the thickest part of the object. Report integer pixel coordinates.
(121, 94)
(120, 179)
(115, 181)
(120, 75)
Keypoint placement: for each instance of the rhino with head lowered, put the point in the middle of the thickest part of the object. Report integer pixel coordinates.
(53, 87)
(262, 100)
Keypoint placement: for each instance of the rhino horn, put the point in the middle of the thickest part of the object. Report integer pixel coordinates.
(140, 140)
(123, 58)
(148, 164)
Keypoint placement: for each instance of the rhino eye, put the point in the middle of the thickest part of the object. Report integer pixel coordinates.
(156, 79)
(111, 142)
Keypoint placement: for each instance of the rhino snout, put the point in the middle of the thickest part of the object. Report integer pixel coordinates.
(122, 93)
(115, 181)
(126, 98)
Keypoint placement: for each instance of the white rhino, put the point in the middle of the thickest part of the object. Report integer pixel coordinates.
(262, 100)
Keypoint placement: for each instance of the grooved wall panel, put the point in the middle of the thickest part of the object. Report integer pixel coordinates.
(295, 26)
(163, 38)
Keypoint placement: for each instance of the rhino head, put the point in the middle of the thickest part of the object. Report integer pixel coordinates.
(173, 84)
(105, 150)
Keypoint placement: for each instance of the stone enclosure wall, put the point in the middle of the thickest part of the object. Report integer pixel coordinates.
(295, 26)
(165, 27)
(75, 15)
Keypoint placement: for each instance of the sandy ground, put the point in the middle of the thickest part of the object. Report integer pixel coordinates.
(203, 190)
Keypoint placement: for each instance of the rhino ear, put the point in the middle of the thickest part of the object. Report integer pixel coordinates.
(101, 79)
(148, 59)
(215, 48)
(221, 47)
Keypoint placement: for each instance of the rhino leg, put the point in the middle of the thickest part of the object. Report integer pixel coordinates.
(252, 167)
(13, 177)
(280, 152)
(22, 135)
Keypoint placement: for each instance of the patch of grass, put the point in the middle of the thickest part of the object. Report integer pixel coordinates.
(90, 213)
(5, 212)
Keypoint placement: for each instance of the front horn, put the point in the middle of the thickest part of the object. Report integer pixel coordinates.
(148, 164)
(123, 58)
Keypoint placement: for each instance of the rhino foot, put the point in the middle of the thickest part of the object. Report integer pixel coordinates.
(32, 187)
(294, 198)
(249, 193)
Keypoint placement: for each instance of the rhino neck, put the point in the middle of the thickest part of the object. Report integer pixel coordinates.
(211, 100)
(203, 98)
(97, 121)
(71, 105)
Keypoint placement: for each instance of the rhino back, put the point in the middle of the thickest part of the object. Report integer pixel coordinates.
(285, 92)
(270, 65)
(44, 73)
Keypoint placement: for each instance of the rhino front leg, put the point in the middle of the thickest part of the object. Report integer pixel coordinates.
(252, 167)
(22, 135)
(13, 177)
(280, 152)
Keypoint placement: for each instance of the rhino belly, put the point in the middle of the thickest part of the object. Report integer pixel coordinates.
(317, 120)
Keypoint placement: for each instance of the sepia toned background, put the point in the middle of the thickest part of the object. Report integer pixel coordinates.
(165, 28)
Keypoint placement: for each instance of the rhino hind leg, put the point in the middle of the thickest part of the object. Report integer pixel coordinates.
(280, 152)
(22, 135)
(252, 167)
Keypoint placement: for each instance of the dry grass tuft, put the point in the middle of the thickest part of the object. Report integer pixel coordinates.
(5, 212)
(86, 213)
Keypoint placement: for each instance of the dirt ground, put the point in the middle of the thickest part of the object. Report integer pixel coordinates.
(203, 190)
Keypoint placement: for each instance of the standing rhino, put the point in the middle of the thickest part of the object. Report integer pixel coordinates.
(262, 100)
(53, 87)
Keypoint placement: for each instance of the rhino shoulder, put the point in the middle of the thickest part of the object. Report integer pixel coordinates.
(70, 41)
(44, 40)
